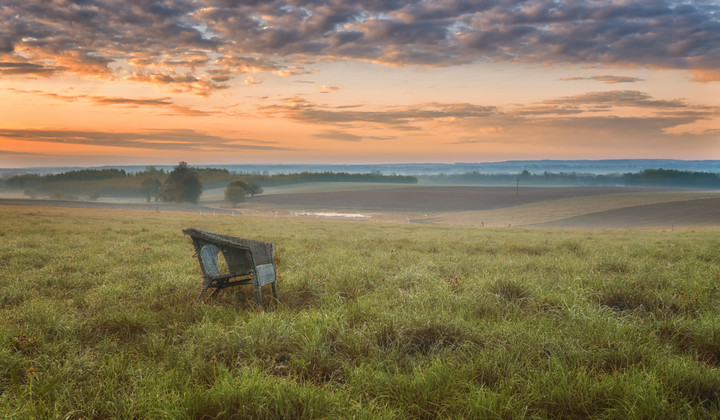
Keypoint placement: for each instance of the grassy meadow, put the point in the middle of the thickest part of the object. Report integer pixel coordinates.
(373, 321)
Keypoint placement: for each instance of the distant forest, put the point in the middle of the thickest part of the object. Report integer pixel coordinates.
(287, 179)
(96, 183)
(646, 178)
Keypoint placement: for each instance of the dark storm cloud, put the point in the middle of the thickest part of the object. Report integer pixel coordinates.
(189, 140)
(197, 46)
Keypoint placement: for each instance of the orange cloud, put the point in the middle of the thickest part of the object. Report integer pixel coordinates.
(705, 76)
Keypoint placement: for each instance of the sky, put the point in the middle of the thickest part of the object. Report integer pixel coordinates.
(142, 82)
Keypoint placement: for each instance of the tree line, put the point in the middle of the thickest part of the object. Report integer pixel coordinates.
(296, 178)
(645, 178)
(21, 182)
(183, 184)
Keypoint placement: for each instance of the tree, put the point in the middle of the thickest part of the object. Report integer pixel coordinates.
(152, 172)
(150, 188)
(182, 185)
(236, 192)
(253, 189)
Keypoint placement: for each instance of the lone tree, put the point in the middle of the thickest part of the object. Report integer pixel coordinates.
(253, 188)
(236, 192)
(182, 185)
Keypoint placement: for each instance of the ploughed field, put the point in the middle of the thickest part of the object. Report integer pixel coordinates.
(700, 212)
(433, 199)
(569, 207)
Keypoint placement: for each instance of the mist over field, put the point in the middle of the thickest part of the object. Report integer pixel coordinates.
(531, 196)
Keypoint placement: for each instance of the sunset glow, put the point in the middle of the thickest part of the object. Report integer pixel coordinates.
(103, 82)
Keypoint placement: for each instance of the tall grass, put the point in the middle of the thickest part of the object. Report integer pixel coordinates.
(374, 321)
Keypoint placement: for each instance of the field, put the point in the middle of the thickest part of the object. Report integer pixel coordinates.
(564, 207)
(570, 207)
(374, 320)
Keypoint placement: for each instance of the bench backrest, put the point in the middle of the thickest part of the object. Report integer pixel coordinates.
(243, 256)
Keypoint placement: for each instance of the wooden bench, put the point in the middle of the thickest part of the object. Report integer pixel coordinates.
(248, 262)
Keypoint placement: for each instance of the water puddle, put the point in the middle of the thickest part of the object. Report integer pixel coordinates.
(332, 214)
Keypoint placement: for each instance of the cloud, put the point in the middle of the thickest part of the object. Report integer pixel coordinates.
(596, 114)
(611, 80)
(705, 75)
(585, 107)
(163, 104)
(13, 153)
(404, 118)
(346, 137)
(181, 82)
(175, 140)
(338, 135)
(249, 81)
(20, 68)
(616, 119)
(201, 46)
(328, 89)
(600, 121)
(631, 98)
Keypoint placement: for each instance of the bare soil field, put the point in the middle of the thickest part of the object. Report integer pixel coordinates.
(433, 199)
(705, 212)
(535, 214)
(562, 207)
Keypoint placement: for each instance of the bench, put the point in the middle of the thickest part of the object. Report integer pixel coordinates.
(248, 262)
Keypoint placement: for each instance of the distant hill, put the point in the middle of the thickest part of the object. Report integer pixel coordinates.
(592, 167)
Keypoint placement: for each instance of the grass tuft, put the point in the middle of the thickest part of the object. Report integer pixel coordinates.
(510, 290)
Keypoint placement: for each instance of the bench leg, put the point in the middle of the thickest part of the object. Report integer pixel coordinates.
(258, 296)
(205, 289)
(199, 298)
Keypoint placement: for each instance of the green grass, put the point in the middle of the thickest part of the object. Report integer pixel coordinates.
(374, 321)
